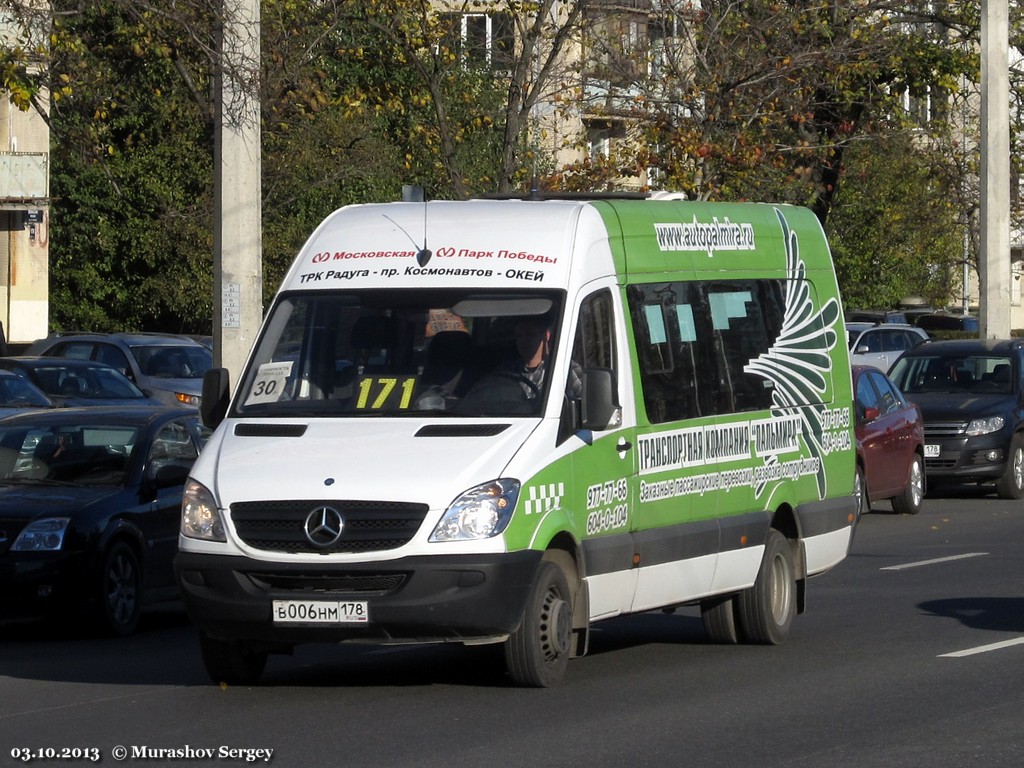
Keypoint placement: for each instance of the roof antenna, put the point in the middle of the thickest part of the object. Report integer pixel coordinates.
(412, 193)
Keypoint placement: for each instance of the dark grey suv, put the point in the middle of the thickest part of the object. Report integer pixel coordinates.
(970, 394)
(168, 368)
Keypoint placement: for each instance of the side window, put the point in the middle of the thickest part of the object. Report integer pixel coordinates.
(889, 399)
(671, 326)
(866, 396)
(695, 341)
(747, 318)
(172, 446)
(594, 345)
(115, 358)
(79, 350)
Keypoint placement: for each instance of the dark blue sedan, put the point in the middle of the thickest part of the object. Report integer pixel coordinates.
(90, 500)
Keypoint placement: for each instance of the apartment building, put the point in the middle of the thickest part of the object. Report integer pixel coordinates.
(24, 217)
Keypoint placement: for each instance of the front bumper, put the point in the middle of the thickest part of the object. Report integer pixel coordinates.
(414, 599)
(983, 457)
(36, 584)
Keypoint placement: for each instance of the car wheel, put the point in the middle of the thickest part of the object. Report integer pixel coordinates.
(120, 598)
(767, 609)
(860, 495)
(537, 653)
(909, 502)
(719, 617)
(1011, 484)
(231, 662)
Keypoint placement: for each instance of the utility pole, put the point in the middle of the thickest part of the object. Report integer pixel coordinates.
(995, 170)
(237, 241)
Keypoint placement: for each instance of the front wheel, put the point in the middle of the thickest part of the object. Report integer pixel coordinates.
(909, 502)
(231, 662)
(537, 653)
(767, 609)
(120, 598)
(1011, 484)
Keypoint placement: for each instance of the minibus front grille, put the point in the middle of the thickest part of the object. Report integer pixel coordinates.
(365, 526)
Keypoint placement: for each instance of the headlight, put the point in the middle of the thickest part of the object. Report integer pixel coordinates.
(42, 535)
(199, 516)
(186, 399)
(479, 513)
(985, 426)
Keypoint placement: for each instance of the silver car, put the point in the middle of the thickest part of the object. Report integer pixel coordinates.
(882, 344)
(166, 367)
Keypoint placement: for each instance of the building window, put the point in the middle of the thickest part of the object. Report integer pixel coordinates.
(482, 39)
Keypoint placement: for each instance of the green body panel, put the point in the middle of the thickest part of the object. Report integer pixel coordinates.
(800, 450)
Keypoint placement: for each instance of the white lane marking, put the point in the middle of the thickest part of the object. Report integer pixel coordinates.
(932, 562)
(982, 649)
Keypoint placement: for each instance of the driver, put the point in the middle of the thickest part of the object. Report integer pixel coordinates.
(533, 343)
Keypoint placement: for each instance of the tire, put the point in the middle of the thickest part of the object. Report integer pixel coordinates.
(120, 590)
(537, 653)
(231, 662)
(909, 502)
(860, 493)
(719, 617)
(766, 609)
(1011, 484)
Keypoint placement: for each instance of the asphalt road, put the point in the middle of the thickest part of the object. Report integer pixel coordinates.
(911, 653)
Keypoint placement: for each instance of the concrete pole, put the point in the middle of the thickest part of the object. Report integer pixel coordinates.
(237, 242)
(995, 170)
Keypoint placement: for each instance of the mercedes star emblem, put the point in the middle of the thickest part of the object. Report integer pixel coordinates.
(324, 526)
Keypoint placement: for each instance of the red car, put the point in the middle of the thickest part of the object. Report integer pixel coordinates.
(890, 443)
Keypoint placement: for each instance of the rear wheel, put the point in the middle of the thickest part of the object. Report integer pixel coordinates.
(909, 502)
(120, 590)
(719, 617)
(766, 609)
(537, 653)
(1011, 484)
(231, 662)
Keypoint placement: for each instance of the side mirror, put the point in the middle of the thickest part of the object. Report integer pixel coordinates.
(862, 349)
(598, 407)
(870, 414)
(171, 475)
(216, 392)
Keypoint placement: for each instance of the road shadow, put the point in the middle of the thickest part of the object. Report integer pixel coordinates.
(998, 614)
(165, 651)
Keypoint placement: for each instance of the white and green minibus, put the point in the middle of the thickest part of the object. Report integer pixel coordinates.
(501, 421)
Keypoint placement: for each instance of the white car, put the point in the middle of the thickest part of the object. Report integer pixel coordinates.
(881, 344)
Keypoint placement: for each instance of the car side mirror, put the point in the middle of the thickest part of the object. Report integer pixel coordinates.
(171, 475)
(598, 408)
(870, 414)
(216, 393)
(863, 349)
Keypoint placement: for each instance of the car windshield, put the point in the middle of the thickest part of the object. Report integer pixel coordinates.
(980, 373)
(173, 361)
(16, 392)
(403, 353)
(91, 454)
(86, 381)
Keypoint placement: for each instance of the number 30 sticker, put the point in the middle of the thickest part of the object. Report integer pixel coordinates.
(269, 383)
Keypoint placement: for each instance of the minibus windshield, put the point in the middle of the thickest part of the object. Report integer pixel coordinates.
(404, 353)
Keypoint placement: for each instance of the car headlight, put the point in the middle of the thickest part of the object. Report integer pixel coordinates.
(45, 535)
(479, 513)
(200, 518)
(985, 426)
(187, 399)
